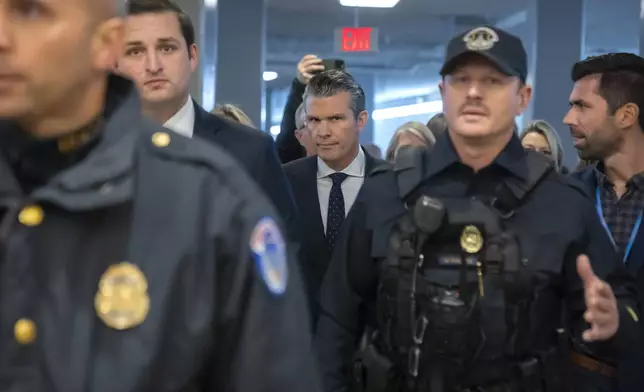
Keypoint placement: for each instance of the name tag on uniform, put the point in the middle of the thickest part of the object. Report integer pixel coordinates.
(456, 260)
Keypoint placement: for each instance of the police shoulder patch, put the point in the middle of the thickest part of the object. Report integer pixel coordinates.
(269, 252)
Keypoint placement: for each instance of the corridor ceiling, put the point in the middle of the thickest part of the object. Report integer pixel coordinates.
(411, 36)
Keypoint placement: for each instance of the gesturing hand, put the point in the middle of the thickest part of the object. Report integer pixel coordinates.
(601, 305)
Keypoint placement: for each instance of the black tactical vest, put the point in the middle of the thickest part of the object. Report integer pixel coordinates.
(452, 291)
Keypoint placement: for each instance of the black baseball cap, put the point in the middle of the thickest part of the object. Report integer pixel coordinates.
(505, 50)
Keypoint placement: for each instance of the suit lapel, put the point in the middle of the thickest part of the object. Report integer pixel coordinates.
(636, 257)
(207, 125)
(311, 202)
(370, 163)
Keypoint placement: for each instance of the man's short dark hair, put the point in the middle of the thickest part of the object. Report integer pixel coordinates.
(138, 7)
(333, 82)
(621, 79)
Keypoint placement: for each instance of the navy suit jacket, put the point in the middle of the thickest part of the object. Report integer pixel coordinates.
(635, 260)
(631, 378)
(302, 174)
(256, 152)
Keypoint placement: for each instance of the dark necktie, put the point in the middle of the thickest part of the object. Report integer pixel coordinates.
(335, 214)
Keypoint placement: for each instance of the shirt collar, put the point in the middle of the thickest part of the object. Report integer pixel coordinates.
(602, 179)
(512, 158)
(183, 121)
(355, 168)
(600, 175)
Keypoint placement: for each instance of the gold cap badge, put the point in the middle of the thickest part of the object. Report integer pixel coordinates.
(122, 299)
(481, 38)
(471, 239)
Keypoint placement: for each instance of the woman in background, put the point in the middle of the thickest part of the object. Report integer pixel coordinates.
(542, 137)
(412, 133)
(437, 124)
(234, 113)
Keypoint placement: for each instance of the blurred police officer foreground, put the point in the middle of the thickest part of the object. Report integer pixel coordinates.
(131, 259)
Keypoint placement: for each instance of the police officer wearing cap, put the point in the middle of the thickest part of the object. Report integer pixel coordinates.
(131, 259)
(478, 266)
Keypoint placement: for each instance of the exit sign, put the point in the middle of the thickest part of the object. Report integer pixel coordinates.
(356, 39)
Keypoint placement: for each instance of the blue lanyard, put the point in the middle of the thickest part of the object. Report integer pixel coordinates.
(636, 227)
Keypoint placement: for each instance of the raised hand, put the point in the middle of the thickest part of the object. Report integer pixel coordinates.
(601, 305)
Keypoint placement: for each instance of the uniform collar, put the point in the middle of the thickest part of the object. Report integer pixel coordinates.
(512, 158)
(110, 161)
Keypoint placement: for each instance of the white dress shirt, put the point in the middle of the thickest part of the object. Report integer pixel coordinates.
(183, 121)
(350, 187)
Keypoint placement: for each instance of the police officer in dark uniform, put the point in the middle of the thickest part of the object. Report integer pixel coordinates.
(478, 266)
(131, 259)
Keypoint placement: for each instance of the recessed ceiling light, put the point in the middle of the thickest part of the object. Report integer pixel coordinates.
(269, 75)
(369, 3)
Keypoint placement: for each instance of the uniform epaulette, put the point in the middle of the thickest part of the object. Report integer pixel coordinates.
(410, 169)
(381, 197)
(573, 183)
(380, 168)
(176, 147)
(192, 152)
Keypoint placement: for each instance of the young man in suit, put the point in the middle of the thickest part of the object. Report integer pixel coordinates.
(327, 185)
(160, 56)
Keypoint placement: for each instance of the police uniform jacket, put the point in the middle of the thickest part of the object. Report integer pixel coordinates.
(554, 224)
(153, 264)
